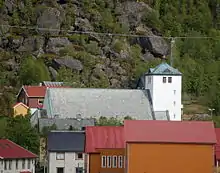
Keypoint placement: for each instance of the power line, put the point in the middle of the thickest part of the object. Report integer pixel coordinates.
(107, 34)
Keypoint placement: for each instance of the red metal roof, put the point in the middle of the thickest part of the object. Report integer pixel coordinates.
(39, 91)
(35, 91)
(10, 150)
(169, 131)
(104, 137)
(217, 146)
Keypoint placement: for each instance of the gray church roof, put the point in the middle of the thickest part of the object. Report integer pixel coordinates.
(64, 124)
(66, 141)
(88, 102)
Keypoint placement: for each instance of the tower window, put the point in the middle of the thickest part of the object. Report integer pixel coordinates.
(174, 91)
(164, 79)
(169, 79)
(174, 103)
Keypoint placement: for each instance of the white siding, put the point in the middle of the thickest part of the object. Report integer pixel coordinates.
(166, 96)
(70, 163)
(19, 169)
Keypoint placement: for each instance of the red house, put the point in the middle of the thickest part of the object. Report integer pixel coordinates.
(16, 159)
(33, 96)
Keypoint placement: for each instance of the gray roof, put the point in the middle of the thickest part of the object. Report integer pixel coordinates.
(163, 69)
(52, 84)
(66, 141)
(64, 124)
(70, 102)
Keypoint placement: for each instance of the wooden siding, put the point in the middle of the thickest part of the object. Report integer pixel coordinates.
(95, 161)
(20, 110)
(170, 158)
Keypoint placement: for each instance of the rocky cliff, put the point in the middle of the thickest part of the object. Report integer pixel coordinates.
(96, 43)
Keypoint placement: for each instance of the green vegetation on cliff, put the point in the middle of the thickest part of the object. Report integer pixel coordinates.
(112, 61)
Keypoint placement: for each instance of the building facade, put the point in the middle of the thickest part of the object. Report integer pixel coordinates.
(66, 152)
(182, 147)
(105, 149)
(20, 109)
(15, 159)
(165, 85)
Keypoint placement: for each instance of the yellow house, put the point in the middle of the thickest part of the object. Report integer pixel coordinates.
(20, 109)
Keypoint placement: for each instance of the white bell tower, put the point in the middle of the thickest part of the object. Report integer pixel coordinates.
(165, 85)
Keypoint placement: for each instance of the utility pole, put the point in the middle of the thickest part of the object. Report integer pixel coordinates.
(171, 50)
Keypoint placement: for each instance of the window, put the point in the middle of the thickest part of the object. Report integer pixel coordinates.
(109, 163)
(60, 156)
(169, 79)
(114, 161)
(120, 161)
(164, 79)
(79, 156)
(29, 164)
(149, 80)
(103, 161)
(174, 116)
(124, 162)
(60, 170)
(79, 169)
(16, 164)
(5, 166)
(9, 164)
(174, 103)
(40, 101)
(174, 91)
(23, 163)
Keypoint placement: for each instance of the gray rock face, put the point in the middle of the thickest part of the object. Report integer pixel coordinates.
(50, 18)
(55, 44)
(68, 62)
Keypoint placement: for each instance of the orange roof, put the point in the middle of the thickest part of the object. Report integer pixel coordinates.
(20, 103)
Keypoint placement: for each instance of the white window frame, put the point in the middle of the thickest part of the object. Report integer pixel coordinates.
(109, 161)
(60, 156)
(103, 161)
(120, 161)
(40, 100)
(114, 161)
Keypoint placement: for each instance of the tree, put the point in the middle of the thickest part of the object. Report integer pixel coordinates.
(103, 121)
(46, 130)
(20, 131)
(33, 71)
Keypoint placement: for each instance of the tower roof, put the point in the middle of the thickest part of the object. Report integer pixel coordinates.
(163, 69)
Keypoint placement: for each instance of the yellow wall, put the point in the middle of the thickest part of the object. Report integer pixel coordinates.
(20, 110)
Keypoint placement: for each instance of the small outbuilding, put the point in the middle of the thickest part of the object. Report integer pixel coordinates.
(169, 146)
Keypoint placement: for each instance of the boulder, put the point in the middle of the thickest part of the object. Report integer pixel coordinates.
(68, 62)
(56, 43)
(50, 18)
